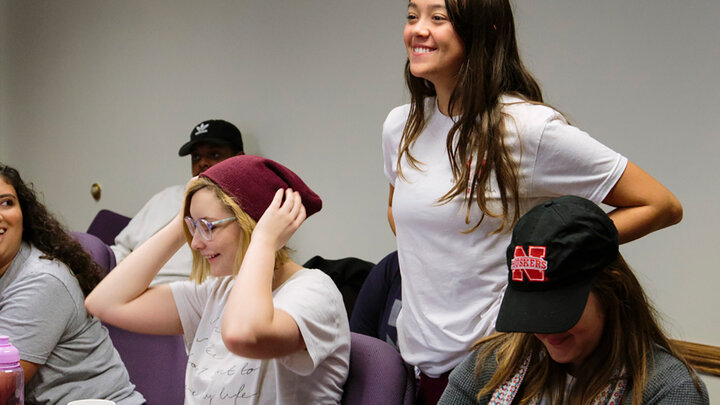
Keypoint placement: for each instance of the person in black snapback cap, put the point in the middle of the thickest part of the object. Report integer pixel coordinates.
(211, 142)
(579, 327)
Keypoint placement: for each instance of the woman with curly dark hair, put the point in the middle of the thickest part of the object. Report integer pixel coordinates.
(44, 276)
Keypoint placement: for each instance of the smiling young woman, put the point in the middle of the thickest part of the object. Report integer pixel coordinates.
(44, 277)
(256, 325)
(435, 51)
(11, 224)
(473, 150)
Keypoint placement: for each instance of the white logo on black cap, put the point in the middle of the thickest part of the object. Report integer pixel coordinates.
(202, 128)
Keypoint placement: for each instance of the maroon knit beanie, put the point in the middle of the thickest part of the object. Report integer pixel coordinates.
(253, 182)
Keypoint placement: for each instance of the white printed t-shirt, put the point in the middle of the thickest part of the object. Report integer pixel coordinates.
(312, 376)
(452, 282)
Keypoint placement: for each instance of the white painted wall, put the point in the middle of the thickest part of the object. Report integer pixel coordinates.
(106, 91)
(4, 54)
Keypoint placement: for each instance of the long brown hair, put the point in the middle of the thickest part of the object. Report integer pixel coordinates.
(491, 68)
(44, 231)
(630, 333)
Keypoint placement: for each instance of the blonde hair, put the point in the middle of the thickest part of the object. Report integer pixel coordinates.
(201, 266)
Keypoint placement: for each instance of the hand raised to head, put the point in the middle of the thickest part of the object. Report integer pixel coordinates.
(281, 219)
(181, 214)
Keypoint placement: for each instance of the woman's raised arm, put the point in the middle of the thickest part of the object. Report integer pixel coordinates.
(123, 298)
(251, 325)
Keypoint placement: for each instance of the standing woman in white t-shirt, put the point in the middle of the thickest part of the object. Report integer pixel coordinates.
(258, 327)
(472, 152)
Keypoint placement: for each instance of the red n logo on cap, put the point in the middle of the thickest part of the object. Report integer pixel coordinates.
(533, 265)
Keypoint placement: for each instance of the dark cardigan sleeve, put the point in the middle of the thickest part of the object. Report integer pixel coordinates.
(670, 383)
(464, 384)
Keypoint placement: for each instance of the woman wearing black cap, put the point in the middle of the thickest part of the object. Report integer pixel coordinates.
(262, 328)
(580, 328)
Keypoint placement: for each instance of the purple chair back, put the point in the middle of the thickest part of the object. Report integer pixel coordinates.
(156, 364)
(99, 251)
(378, 374)
(106, 225)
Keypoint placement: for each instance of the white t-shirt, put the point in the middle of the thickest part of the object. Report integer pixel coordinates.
(152, 217)
(452, 282)
(312, 376)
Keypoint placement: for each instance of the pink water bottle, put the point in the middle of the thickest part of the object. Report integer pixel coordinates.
(11, 374)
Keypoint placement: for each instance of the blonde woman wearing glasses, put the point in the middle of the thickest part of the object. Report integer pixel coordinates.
(257, 326)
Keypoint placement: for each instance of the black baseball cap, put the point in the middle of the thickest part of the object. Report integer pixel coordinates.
(557, 249)
(213, 131)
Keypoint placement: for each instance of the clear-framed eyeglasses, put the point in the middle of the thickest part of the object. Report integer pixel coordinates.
(205, 227)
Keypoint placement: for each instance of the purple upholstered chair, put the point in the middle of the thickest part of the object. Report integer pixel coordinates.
(156, 364)
(98, 250)
(378, 374)
(106, 225)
